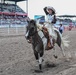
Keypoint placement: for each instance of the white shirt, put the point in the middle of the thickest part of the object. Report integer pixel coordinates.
(49, 18)
(61, 28)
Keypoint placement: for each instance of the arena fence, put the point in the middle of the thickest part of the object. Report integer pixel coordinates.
(8, 31)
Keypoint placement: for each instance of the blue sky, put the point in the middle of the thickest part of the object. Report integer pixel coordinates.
(35, 7)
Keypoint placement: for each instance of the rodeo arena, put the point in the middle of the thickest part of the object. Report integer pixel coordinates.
(21, 54)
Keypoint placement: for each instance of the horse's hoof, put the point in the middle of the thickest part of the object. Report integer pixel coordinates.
(28, 41)
(38, 71)
(40, 66)
(55, 56)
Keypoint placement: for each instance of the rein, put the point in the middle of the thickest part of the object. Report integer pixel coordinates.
(34, 33)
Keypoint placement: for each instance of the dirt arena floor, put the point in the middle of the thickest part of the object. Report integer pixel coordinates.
(17, 58)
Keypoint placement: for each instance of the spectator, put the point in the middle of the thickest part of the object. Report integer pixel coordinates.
(61, 28)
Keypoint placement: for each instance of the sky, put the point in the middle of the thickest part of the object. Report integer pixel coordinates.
(62, 7)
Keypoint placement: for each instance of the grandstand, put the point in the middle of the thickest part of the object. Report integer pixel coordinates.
(11, 14)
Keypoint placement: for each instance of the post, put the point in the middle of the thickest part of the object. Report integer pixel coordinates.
(1, 13)
(8, 30)
(15, 18)
(27, 14)
(27, 7)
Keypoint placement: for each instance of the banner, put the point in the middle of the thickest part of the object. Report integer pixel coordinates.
(41, 18)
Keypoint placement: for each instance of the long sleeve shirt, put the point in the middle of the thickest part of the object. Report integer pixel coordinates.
(49, 18)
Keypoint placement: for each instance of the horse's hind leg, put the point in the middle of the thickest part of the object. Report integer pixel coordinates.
(54, 54)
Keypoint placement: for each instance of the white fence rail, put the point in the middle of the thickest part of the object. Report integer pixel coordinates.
(6, 31)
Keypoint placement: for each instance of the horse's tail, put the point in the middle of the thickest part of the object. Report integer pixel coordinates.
(64, 40)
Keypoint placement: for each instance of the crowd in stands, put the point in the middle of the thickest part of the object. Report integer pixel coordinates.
(10, 8)
(12, 19)
(11, 14)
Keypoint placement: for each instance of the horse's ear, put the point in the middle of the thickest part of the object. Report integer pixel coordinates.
(33, 22)
(28, 21)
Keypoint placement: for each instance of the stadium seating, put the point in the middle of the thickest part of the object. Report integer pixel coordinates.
(12, 14)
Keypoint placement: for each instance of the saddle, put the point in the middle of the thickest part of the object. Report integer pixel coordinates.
(46, 34)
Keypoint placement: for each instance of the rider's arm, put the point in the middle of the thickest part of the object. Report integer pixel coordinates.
(49, 18)
(39, 26)
(45, 10)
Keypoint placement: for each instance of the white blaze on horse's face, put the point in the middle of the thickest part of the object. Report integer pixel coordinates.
(27, 33)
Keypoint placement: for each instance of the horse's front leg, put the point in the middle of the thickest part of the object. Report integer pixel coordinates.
(39, 58)
(36, 55)
(40, 55)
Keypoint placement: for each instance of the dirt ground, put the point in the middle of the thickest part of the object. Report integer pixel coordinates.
(17, 58)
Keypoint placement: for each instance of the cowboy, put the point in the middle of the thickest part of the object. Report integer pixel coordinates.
(51, 20)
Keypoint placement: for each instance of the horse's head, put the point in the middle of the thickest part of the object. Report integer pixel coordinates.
(31, 29)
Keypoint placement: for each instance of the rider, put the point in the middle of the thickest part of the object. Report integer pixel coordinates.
(50, 20)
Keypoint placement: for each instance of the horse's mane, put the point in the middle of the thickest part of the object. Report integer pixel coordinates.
(33, 21)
